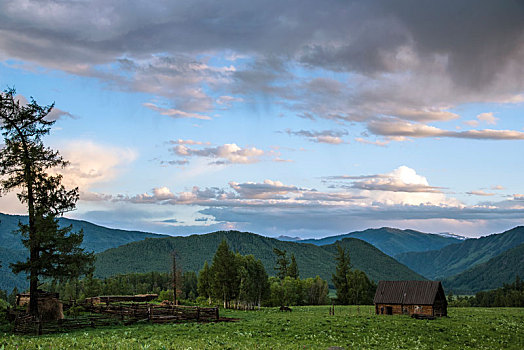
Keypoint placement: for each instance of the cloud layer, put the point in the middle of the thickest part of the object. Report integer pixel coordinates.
(401, 196)
(411, 61)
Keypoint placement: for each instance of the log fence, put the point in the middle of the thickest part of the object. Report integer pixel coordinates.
(130, 312)
(113, 314)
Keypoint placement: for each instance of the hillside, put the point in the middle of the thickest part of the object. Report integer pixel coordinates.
(456, 258)
(393, 241)
(9, 280)
(96, 238)
(489, 275)
(154, 255)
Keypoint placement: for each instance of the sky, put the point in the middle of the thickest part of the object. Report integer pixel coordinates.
(298, 118)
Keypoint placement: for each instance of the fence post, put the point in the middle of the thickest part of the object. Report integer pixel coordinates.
(38, 326)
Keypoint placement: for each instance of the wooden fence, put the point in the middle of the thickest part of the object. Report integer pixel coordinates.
(112, 314)
(28, 324)
(134, 312)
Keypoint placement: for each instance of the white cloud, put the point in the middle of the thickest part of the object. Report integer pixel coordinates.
(224, 154)
(480, 193)
(488, 118)
(267, 190)
(92, 163)
(333, 137)
(175, 113)
(395, 127)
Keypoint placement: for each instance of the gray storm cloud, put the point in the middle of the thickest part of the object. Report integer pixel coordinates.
(421, 57)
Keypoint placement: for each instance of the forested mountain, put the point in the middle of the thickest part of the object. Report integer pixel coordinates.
(393, 241)
(456, 258)
(8, 280)
(193, 251)
(96, 238)
(489, 275)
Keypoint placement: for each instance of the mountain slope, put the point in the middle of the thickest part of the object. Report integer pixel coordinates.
(154, 255)
(8, 280)
(393, 241)
(456, 258)
(489, 275)
(96, 238)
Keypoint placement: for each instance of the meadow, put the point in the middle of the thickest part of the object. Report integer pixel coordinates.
(306, 327)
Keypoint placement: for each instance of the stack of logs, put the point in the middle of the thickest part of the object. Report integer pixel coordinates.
(134, 312)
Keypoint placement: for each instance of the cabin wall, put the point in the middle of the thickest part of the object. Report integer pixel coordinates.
(397, 309)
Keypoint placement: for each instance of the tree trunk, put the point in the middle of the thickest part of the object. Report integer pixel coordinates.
(34, 244)
(174, 278)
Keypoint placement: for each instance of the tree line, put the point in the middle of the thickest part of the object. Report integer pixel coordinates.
(509, 295)
(233, 280)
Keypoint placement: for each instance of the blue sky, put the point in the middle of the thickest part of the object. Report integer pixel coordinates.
(298, 118)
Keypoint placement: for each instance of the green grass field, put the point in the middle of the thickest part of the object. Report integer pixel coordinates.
(304, 328)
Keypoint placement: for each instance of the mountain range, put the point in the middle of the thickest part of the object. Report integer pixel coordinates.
(193, 251)
(96, 238)
(489, 275)
(393, 241)
(465, 266)
(456, 258)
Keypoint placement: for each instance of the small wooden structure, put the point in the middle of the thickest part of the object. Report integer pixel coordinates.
(121, 299)
(49, 307)
(410, 298)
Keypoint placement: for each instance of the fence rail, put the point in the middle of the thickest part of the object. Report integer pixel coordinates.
(156, 313)
(112, 314)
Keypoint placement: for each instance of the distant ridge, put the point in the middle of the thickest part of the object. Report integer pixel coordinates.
(393, 241)
(456, 258)
(492, 274)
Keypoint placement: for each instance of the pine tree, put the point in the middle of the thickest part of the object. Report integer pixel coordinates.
(225, 278)
(282, 263)
(292, 270)
(25, 163)
(204, 282)
(341, 277)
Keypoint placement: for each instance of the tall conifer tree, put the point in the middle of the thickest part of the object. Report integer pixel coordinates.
(292, 270)
(225, 278)
(25, 166)
(341, 277)
(282, 263)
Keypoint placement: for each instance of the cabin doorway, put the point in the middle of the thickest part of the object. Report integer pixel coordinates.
(389, 310)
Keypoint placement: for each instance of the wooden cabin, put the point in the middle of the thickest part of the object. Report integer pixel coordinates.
(410, 298)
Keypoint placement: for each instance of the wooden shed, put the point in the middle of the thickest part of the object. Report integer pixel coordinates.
(410, 297)
(49, 306)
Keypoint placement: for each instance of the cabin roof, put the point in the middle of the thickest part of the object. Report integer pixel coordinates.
(408, 292)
